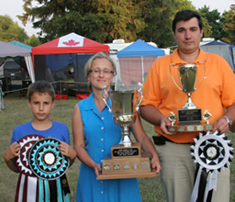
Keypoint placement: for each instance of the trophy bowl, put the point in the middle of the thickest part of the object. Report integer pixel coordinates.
(124, 105)
(188, 75)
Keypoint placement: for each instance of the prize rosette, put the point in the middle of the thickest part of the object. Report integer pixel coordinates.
(22, 160)
(46, 161)
(212, 152)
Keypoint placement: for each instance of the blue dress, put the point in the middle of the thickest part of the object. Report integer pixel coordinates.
(100, 134)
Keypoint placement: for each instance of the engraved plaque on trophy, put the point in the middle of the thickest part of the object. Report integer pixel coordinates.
(189, 116)
(126, 159)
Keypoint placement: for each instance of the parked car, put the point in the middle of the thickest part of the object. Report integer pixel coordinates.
(1, 70)
(10, 69)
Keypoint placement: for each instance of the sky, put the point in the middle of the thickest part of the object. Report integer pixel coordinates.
(13, 8)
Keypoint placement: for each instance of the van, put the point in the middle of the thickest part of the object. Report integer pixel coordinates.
(10, 69)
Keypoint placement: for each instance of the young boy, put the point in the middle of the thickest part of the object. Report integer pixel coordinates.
(41, 101)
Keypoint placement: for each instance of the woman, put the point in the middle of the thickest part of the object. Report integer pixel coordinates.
(94, 133)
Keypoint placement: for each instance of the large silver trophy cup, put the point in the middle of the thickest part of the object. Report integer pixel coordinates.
(125, 105)
(126, 159)
(190, 115)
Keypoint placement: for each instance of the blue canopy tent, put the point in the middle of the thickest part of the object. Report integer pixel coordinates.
(135, 61)
(17, 43)
(225, 50)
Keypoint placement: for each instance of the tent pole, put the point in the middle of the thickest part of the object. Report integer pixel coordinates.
(60, 97)
(142, 66)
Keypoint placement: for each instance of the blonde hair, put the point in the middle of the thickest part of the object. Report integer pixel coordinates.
(89, 63)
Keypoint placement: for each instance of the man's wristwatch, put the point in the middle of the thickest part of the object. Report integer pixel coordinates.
(228, 120)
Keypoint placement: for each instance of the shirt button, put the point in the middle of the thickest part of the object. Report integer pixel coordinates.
(102, 118)
(102, 139)
(102, 128)
(102, 192)
(101, 182)
(102, 150)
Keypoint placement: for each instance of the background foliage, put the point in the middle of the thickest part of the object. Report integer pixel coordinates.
(106, 20)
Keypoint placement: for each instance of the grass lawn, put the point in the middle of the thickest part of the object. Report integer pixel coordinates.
(16, 112)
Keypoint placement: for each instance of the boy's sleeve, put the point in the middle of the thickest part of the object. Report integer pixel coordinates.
(67, 140)
(13, 139)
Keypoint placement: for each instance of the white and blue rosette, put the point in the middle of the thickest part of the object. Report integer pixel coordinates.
(49, 165)
(212, 152)
(46, 161)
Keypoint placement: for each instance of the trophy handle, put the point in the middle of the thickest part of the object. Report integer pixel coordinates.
(202, 76)
(174, 79)
(140, 92)
(104, 93)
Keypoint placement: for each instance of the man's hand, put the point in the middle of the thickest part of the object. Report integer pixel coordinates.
(221, 125)
(165, 122)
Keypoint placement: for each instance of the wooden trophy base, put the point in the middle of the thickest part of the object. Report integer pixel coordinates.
(189, 128)
(119, 167)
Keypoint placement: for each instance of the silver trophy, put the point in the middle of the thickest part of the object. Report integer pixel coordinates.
(189, 115)
(125, 104)
(126, 159)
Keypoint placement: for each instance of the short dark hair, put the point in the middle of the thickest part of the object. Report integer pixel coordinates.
(185, 15)
(40, 87)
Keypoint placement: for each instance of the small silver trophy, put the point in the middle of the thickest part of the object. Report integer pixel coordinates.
(189, 116)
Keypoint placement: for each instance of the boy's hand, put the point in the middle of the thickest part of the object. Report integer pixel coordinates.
(67, 150)
(9, 155)
(12, 151)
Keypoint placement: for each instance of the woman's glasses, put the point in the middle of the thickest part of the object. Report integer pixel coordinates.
(104, 71)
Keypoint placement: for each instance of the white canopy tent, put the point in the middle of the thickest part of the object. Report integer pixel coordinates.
(11, 51)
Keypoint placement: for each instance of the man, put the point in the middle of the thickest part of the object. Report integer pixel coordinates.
(161, 97)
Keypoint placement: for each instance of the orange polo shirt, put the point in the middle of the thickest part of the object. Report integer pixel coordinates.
(217, 89)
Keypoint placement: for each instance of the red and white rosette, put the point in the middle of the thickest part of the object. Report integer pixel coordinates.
(22, 160)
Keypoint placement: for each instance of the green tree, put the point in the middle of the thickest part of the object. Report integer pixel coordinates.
(214, 20)
(105, 20)
(100, 20)
(33, 41)
(158, 16)
(10, 30)
(229, 25)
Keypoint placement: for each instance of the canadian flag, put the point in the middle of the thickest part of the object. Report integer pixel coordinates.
(71, 40)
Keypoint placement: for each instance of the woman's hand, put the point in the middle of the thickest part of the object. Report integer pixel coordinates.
(155, 163)
(97, 169)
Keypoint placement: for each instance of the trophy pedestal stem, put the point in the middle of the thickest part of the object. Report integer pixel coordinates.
(126, 141)
(189, 104)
